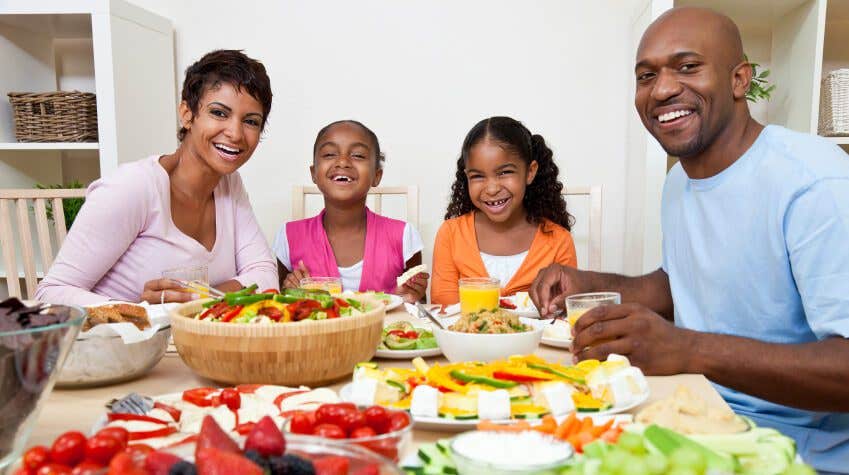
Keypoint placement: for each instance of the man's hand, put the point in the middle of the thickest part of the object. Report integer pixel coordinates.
(293, 280)
(551, 287)
(652, 343)
(414, 289)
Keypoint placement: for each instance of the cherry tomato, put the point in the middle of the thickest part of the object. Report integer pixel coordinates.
(54, 469)
(231, 398)
(377, 418)
(123, 435)
(385, 447)
(68, 449)
(301, 424)
(35, 457)
(87, 468)
(398, 420)
(352, 420)
(138, 451)
(199, 396)
(362, 432)
(329, 431)
(411, 335)
(331, 414)
(101, 448)
(398, 333)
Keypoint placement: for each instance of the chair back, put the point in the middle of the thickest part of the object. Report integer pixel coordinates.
(300, 192)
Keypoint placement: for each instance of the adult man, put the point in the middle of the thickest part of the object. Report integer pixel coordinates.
(755, 248)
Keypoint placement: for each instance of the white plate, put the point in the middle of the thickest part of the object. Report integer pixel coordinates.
(451, 425)
(556, 342)
(407, 354)
(394, 302)
(526, 312)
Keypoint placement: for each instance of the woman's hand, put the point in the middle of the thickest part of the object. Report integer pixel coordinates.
(293, 280)
(165, 291)
(414, 289)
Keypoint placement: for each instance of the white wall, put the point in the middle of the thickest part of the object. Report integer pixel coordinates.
(421, 73)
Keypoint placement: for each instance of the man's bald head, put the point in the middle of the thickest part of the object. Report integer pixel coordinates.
(692, 79)
(719, 33)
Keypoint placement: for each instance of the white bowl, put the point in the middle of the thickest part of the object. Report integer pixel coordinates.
(459, 346)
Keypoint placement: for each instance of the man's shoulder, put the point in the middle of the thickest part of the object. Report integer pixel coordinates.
(803, 158)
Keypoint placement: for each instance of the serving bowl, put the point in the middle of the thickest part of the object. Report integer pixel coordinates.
(459, 346)
(309, 352)
(30, 360)
(468, 465)
(97, 360)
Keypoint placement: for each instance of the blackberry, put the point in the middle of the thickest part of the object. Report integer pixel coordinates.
(258, 459)
(183, 468)
(291, 465)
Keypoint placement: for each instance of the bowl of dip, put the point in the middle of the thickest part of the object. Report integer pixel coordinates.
(509, 453)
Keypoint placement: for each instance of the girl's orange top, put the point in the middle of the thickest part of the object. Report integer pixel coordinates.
(456, 255)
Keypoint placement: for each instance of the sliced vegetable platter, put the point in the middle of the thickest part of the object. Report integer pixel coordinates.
(402, 340)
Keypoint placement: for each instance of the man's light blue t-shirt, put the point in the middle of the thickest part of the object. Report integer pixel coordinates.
(761, 250)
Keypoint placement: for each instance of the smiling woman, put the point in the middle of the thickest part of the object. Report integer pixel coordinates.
(185, 208)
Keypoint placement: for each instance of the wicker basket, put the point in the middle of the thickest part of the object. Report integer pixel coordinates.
(54, 116)
(834, 106)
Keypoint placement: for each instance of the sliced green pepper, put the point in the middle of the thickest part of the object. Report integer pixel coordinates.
(247, 299)
(553, 371)
(470, 378)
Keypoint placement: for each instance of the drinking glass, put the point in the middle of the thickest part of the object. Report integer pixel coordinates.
(479, 293)
(579, 304)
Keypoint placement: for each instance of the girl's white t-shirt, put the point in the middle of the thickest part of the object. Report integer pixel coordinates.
(412, 243)
(503, 268)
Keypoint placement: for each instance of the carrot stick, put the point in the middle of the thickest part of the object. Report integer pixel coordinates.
(586, 424)
(597, 431)
(548, 426)
(565, 428)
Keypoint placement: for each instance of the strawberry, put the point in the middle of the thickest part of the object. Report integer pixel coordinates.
(212, 461)
(159, 463)
(266, 438)
(211, 435)
(371, 469)
(333, 465)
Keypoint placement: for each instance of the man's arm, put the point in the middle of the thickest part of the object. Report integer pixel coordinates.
(554, 283)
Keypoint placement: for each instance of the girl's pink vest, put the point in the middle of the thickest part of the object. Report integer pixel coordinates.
(383, 259)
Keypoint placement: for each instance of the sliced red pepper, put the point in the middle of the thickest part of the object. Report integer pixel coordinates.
(271, 313)
(270, 291)
(342, 303)
(232, 313)
(279, 399)
(171, 410)
(443, 389)
(245, 428)
(248, 388)
(302, 309)
(115, 416)
(215, 311)
(165, 431)
(504, 303)
(519, 378)
(200, 396)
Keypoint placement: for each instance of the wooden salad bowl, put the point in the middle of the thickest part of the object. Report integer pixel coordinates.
(309, 352)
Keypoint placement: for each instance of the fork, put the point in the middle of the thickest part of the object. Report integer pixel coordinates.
(132, 403)
(424, 313)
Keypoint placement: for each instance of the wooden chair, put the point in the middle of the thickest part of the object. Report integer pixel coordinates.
(11, 199)
(299, 193)
(593, 192)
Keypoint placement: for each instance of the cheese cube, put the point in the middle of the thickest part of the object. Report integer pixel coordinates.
(558, 398)
(363, 391)
(425, 402)
(494, 405)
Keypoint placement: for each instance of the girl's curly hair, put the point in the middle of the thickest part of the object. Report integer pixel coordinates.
(543, 198)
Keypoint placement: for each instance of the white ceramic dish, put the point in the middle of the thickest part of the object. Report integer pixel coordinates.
(557, 334)
(407, 354)
(522, 311)
(556, 342)
(457, 346)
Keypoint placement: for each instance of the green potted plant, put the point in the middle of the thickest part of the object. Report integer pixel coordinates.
(759, 88)
(71, 206)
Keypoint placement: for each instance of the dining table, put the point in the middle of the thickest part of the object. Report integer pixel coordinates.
(82, 409)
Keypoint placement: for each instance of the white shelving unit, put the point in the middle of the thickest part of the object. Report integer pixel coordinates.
(121, 52)
(798, 40)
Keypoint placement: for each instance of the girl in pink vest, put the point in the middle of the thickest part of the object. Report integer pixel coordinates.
(366, 250)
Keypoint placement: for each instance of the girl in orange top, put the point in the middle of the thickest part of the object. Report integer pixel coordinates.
(507, 218)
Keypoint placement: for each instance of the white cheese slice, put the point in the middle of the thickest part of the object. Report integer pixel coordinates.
(494, 405)
(191, 421)
(160, 414)
(558, 398)
(137, 426)
(270, 392)
(253, 409)
(613, 357)
(363, 391)
(320, 395)
(403, 278)
(425, 401)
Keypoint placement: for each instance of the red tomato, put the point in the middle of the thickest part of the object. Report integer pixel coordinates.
(411, 335)
(119, 433)
(332, 312)
(87, 468)
(54, 469)
(68, 449)
(101, 448)
(231, 398)
(353, 419)
(199, 396)
(329, 431)
(271, 312)
(385, 447)
(331, 414)
(138, 450)
(35, 457)
(301, 424)
(342, 303)
(398, 333)
(270, 291)
(126, 464)
(362, 432)
(398, 420)
(377, 418)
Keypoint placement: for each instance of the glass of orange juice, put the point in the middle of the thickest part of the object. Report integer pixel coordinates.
(579, 304)
(330, 284)
(479, 293)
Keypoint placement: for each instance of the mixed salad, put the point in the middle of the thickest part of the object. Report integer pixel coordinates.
(404, 336)
(270, 306)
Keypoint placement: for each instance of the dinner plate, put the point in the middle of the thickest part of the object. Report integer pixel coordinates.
(453, 425)
(556, 342)
(527, 312)
(395, 301)
(408, 354)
